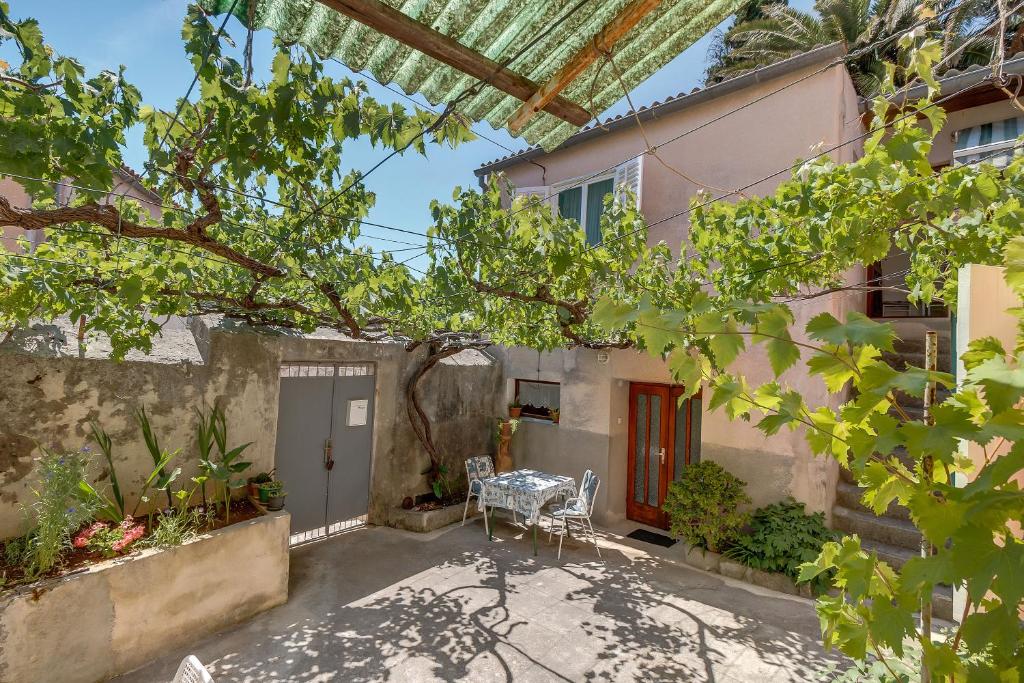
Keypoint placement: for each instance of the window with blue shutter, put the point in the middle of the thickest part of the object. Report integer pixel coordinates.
(596, 192)
(570, 203)
(994, 143)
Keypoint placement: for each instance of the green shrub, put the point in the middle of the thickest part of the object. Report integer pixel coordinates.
(782, 537)
(59, 509)
(703, 506)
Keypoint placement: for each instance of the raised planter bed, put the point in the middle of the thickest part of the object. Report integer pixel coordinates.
(719, 564)
(428, 520)
(117, 615)
(705, 560)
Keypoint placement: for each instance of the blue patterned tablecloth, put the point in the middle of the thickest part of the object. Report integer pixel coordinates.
(525, 491)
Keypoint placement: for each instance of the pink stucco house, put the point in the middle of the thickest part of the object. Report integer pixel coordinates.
(618, 415)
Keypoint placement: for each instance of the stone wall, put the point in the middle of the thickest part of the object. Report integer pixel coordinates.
(50, 394)
(51, 390)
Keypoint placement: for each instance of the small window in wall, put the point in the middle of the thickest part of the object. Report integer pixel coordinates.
(538, 398)
(585, 205)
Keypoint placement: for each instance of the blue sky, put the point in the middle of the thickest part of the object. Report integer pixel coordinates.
(144, 35)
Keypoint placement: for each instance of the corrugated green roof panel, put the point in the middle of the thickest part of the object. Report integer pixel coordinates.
(498, 29)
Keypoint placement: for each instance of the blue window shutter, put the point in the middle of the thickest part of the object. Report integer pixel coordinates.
(570, 203)
(596, 193)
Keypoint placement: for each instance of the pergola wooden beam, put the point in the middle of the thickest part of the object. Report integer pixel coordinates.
(602, 43)
(391, 22)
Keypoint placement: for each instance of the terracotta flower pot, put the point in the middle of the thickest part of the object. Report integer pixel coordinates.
(514, 413)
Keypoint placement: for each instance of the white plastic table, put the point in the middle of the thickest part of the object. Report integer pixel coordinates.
(525, 492)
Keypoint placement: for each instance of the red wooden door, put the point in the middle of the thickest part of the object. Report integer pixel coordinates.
(650, 446)
(664, 437)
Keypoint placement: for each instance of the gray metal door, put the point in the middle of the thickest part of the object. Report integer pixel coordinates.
(348, 485)
(324, 443)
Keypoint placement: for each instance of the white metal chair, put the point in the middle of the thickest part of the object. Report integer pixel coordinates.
(477, 468)
(579, 510)
(191, 670)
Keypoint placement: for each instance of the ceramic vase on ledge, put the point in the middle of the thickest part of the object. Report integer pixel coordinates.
(503, 462)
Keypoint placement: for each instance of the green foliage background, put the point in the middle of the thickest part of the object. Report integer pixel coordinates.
(258, 219)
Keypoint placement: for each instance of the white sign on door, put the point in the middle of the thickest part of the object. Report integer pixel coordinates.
(357, 408)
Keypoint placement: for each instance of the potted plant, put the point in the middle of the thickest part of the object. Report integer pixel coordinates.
(265, 489)
(515, 408)
(261, 478)
(275, 495)
(555, 414)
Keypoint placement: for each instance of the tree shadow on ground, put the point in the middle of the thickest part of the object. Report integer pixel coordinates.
(382, 605)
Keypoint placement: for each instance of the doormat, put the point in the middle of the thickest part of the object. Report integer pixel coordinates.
(651, 537)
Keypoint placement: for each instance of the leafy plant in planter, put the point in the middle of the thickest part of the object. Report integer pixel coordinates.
(110, 539)
(513, 425)
(442, 484)
(703, 506)
(58, 510)
(113, 508)
(159, 456)
(515, 408)
(223, 470)
(177, 527)
(782, 536)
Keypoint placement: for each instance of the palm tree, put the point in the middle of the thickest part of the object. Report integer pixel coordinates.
(719, 56)
(784, 32)
(970, 29)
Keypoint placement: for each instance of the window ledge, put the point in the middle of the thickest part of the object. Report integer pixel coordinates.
(536, 420)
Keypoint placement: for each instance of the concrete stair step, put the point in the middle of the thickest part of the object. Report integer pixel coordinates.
(888, 530)
(900, 452)
(848, 495)
(893, 555)
(942, 595)
(901, 359)
(914, 343)
(917, 402)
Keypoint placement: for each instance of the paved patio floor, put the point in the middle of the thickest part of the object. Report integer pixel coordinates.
(381, 604)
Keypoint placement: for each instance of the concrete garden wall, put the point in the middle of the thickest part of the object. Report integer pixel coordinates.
(51, 390)
(120, 614)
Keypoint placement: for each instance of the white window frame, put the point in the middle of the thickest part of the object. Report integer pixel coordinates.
(961, 154)
(626, 174)
(583, 182)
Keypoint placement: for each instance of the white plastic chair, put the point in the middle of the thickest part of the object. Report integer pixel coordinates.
(191, 670)
(579, 510)
(477, 468)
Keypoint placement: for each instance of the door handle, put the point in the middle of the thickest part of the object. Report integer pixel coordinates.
(662, 454)
(328, 455)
